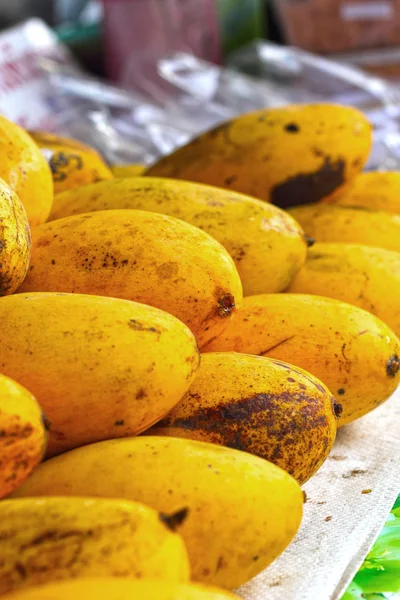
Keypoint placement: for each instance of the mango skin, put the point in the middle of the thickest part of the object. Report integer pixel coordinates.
(120, 589)
(142, 256)
(379, 190)
(349, 225)
(289, 155)
(22, 434)
(100, 367)
(266, 244)
(133, 170)
(354, 353)
(50, 539)
(26, 171)
(359, 275)
(257, 405)
(242, 510)
(72, 163)
(15, 241)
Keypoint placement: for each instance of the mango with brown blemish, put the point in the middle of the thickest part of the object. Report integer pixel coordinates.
(100, 367)
(26, 171)
(361, 275)
(15, 241)
(51, 539)
(242, 511)
(112, 588)
(22, 434)
(353, 352)
(142, 256)
(379, 190)
(266, 244)
(132, 170)
(72, 163)
(349, 225)
(288, 155)
(258, 405)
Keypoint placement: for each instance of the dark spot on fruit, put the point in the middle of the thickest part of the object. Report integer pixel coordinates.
(2, 245)
(291, 379)
(119, 423)
(46, 422)
(53, 262)
(292, 128)
(19, 567)
(226, 304)
(141, 393)
(309, 241)
(393, 366)
(341, 391)
(230, 180)
(337, 409)
(255, 558)
(175, 520)
(305, 188)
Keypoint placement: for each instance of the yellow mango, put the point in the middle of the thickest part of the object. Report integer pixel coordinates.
(99, 367)
(133, 170)
(379, 190)
(50, 539)
(142, 256)
(72, 163)
(15, 241)
(110, 588)
(26, 170)
(361, 275)
(22, 434)
(287, 155)
(266, 244)
(242, 510)
(354, 353)
(349, 225)
(258, 405)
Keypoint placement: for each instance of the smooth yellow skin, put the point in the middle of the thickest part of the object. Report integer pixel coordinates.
(142, 256)
(358, 225)
(50, 539)
(100, 367)
(23, 435)
(72, 163)
(256, 404)
(120, 589)
(288, 155)
(25, 169)
(361, 275)
(379, 190)
(15, 241)
(354, 353)
(266, 244)
(133, 170)
(242, 510)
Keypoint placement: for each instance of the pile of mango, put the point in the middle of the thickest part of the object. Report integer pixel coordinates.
(179, 345)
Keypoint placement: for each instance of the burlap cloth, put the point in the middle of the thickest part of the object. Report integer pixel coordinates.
(348, 501)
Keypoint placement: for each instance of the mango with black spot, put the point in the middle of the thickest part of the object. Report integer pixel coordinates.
(142, 256)
(258, 405)
(349, 225)
(353, 352)
(22, 434)
(72, 163)
(361, 275)
(99, 367)
(266, 244)
(379, 190)
(242, 511)
(288, 155)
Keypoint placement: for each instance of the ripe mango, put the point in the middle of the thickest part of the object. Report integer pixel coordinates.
(100, 367)
(72, 163)
(287, 155)
(26, 170)
(266, 244)
(22, 434)
(142, 256)
(133, 170)
(350, 225)
(15, 241)
(242, 510)
(354, 353)
(49, 539)
(110, 588)
(379, 190)
(258, 405)
(361, 275)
